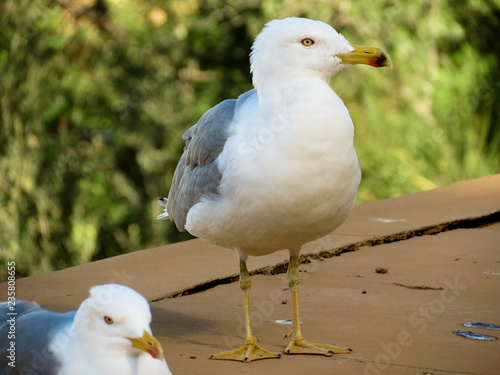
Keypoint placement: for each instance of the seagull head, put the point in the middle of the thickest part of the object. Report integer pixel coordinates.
(116, 317)
(300, 48)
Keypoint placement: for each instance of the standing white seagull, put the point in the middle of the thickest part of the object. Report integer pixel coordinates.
(275, 168)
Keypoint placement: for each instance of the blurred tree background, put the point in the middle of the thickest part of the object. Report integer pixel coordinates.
(95, 95)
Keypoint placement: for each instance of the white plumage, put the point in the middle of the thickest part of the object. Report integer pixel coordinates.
(275, 168)
(109, 334)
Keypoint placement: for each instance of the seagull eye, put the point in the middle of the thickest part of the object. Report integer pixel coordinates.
(307, 42)
(108, 320)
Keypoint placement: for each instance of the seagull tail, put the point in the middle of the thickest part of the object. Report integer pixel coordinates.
(164, 215)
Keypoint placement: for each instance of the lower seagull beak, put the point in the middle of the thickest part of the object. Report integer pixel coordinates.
(148, 344)
(372, 56)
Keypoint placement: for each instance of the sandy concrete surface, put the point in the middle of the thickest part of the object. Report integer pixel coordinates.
(441, 250)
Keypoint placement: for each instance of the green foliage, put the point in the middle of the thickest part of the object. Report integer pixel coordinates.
(95, 95)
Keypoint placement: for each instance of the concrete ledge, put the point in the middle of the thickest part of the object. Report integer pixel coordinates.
(442, 252)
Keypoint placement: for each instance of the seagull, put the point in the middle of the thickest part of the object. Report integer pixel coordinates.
(276, 167)
(108, 334)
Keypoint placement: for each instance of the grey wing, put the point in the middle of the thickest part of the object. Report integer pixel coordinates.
(197, 173)
(18, 307)
(33, 330)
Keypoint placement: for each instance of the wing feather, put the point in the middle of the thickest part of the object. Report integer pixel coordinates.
(197, 173)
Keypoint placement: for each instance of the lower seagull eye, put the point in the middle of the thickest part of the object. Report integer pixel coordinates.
(108, 320)
(307, 42)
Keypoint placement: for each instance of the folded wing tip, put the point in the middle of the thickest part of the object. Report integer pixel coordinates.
(164, 215)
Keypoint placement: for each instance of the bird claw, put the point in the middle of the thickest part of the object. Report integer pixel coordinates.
(305, 347)
(247, 353)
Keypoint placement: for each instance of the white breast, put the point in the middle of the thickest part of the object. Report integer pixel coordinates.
(290, 174)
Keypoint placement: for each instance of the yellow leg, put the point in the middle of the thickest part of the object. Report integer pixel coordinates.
(250, 351)
(297, 343)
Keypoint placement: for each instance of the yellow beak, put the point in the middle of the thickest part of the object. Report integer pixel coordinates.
(372, 56)
(148, 344)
